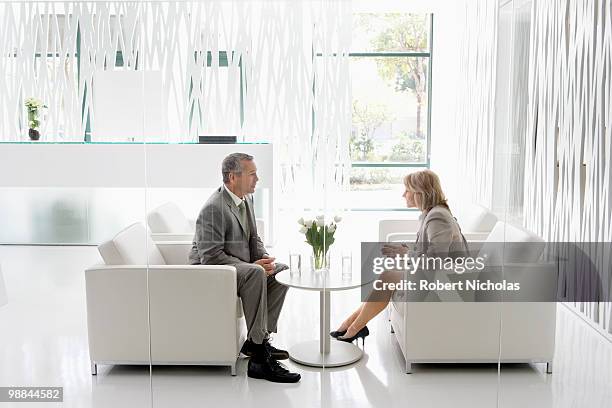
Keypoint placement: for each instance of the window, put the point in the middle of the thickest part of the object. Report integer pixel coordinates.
(390, 62)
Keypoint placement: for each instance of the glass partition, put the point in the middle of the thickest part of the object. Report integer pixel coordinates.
(73, 278)
(419, 341)
(527, 325)
(220, 203)
(554, 346)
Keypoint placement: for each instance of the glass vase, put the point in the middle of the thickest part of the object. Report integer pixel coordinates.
(319, 260)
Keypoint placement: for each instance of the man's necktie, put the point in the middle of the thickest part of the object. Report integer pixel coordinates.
(243, 217)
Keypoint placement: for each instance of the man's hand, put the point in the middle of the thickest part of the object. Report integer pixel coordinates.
(267, 262)
(391, 250)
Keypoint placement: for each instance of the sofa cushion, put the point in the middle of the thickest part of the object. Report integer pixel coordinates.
(168, 218)
(477, 219)
(131, 246)
(514, 243)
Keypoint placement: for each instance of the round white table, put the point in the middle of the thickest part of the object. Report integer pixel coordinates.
(322, 352)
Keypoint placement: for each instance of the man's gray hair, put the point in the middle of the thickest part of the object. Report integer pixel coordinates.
(232, 164)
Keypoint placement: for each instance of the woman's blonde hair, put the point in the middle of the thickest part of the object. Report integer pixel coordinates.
(426, 183)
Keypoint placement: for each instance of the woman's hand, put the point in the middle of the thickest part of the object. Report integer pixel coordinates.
(391, 250)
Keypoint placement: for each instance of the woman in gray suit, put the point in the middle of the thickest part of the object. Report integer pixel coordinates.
(438, 235)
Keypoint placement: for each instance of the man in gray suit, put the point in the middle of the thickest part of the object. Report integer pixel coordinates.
(226, 234)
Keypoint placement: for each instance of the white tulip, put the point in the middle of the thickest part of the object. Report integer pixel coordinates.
(337, 219)
(301, 221)
(308, 223)
(320, 217)
(332, 228)
(320, 223)
(303, 229)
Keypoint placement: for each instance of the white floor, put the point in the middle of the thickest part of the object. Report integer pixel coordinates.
(43, 342)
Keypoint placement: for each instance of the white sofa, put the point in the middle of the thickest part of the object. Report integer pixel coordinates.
(168, 223)
(470, 332)
(476, 223)
(194, 312)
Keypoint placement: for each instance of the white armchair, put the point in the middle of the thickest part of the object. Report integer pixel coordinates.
(194, 312)
(476, 223)
(168, 223)
(470, 332)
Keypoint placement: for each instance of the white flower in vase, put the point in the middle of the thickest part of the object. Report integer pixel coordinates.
(320, 237)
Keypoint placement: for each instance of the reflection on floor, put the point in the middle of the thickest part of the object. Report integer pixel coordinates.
(44, 343)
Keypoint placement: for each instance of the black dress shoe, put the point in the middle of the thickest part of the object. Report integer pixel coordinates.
(363, 333)
(337, 333)
(275, 353)
(270, 369)
(249, 349)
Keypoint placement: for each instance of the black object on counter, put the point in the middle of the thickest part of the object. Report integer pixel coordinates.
(217, 139)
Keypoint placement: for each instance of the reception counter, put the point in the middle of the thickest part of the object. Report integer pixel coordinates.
(83, 193)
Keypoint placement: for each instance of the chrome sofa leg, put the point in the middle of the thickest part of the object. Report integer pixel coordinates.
(549, 367)
(94, 368)
(233, 369)
(408, 367)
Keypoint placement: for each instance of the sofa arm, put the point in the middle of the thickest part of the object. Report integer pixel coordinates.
(386, 227)
(117, 317)
(538, 282)
(411, 236)
(401, 237)
(172, 236)
(475, 236)
(175, 252)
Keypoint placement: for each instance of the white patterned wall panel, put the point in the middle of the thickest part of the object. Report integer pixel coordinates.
(270, 88)
(38, 48)
(475, 107)
(330, 138)
(567, 140)
(568, 189)
(298, 91)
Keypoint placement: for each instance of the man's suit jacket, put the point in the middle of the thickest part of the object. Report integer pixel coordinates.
(220, 238)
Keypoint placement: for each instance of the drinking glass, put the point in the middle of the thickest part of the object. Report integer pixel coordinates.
(295, 264)
(347, 265)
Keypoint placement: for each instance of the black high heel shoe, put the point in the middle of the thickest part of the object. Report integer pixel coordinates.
(337, 333)
(363, 333)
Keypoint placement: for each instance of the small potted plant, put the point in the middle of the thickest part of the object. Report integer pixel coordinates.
(320, 237)
(34, 107)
